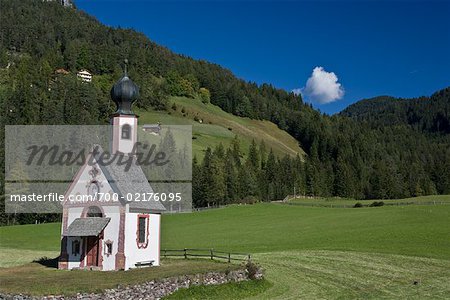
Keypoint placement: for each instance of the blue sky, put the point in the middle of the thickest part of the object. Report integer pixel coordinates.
(399, 48)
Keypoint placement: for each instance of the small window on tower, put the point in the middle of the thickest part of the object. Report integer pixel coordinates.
(126, 132)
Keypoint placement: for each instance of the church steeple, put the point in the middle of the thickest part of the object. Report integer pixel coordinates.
(124, 93)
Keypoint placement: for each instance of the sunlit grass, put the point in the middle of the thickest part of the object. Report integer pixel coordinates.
(308, 252)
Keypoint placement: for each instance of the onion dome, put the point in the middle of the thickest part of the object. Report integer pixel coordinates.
(124, 93)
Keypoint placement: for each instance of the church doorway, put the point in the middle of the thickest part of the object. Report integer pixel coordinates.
(92, 251)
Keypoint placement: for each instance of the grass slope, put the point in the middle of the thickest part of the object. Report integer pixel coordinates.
(308, 252)
(323, 274)
(216, 127)
(237, 290)
(409, 230)
(36, 279)
(45, 237)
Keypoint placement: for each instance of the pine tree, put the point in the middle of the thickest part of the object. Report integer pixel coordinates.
(236, 151)
(253, 157)
(269, 176)
(343, 184)
(231, 178)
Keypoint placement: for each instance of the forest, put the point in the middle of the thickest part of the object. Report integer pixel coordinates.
(425, 114)
(375, 149)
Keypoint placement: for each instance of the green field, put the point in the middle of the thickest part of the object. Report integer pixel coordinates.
(219, 126)
(308, 252)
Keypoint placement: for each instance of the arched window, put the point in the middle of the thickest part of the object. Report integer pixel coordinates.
(126, 132)
(94, 212)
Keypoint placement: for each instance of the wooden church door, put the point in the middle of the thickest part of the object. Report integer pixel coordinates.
(92, 251)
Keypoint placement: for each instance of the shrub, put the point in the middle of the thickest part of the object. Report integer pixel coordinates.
(376, 203)
(250, 200)
(205, 95)
(183, 110)
(357, 204)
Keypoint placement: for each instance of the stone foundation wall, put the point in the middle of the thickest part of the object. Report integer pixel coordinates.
(154, 289)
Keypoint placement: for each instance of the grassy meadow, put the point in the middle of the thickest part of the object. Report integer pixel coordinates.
(307, 252)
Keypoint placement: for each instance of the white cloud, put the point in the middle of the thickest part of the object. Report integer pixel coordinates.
(322, 87)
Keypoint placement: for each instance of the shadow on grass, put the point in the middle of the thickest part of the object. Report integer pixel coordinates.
(48, 262)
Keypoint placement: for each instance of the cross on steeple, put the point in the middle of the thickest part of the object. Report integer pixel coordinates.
(125, 61)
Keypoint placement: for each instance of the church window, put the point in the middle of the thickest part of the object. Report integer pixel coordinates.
(94, 212)
(75, 247)
(142, 231)
(126, 132)
(108, 247)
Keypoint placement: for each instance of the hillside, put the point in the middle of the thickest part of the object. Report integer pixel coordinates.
(59, 37)
(218, 126)
(428, 114)
(345, 156)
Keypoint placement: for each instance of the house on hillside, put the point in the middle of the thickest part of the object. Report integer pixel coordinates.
(65, 3)
(111, 235)
(84, 75)
(154, 129)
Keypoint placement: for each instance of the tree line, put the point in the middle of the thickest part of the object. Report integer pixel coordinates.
(225, 176)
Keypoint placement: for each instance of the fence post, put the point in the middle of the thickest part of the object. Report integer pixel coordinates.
(249, 257)
(212, 254)
(229, 257)
(165, 253)
(185, 253)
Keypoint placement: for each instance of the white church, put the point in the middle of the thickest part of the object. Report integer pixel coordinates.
(111, 235)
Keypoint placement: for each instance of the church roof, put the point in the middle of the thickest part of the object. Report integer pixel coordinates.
(130, 181)
(124, 93)
(87, 226)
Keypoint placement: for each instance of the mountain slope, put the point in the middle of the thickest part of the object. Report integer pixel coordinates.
(346, 157)
(212, 126)
(71, 39)
(40, 37)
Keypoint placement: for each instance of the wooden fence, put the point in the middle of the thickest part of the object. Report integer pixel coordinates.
(206, 253)
(365, 203)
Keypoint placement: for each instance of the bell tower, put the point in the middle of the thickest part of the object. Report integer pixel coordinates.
(124, 121)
